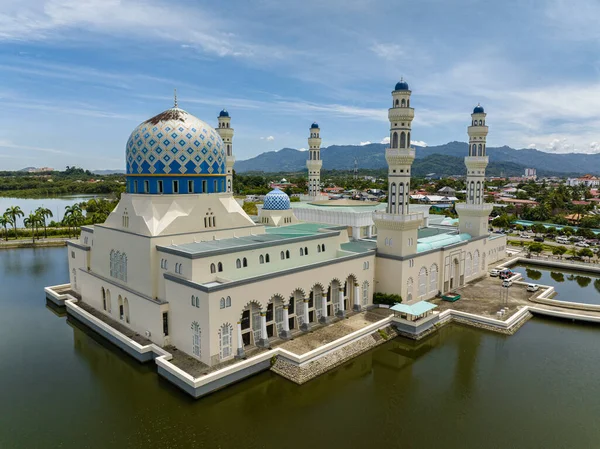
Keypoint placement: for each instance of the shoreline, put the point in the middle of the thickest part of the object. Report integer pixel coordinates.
(16, 244)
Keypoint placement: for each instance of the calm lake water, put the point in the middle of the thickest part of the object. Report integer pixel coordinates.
(62, 387)
(572, 286)
(56, 205)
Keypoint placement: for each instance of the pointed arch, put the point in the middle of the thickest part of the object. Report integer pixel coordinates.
(402, 139)
(422, 281)
(468, 264)
(476, 262)
(395, 140)
(433, 278)
(225, 341)
(126, 309)
(409, 289)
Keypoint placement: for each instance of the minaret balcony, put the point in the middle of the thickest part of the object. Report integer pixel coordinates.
(477, 130)
(314, 164)
(399, 114)
(229, 161)
(476, 162)
(225, 132)
(399, 156)
(314, 142)
(385, 220)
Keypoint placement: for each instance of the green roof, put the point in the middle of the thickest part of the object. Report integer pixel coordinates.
(440, 241)
(418, 308)
(359, 246)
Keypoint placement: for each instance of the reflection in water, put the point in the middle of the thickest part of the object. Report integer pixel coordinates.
(583, 281)
(534, 274)
(557, 276)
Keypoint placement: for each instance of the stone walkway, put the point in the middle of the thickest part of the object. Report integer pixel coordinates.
(115, 324)
(303, 343)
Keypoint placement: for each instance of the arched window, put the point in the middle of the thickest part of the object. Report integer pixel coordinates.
(267, 258)
(306, 251)
(193, 301)
(245, 262)
(126, 307)
(222, 303)
(433, 278)
(108, 303)
(213, 268)
(476, 262)
(225, 340)
(282, 255)
(220, 266)
(396, 104)
(322, 246)
(474, 151)
(395, 140)
(408, 140)
(228, 301)
(468, 265)
(318, 248)
(480, 152)
(422, 281)
(197, 302)
(393, 198)
(403, 103)
(287, 254)
(103, 298)
(261, 259)
(409, 289)
(402, 139)
(387, 241)
(238, 263)
(480, 122)
(302, 251)
(365, 293)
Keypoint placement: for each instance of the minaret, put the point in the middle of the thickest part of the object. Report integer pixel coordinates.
(397, 229)
(474, 212)
(314, 162)
(226, 134)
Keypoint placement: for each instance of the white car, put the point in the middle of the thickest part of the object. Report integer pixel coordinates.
(506, 283)
(524, 236)
(582, 244)
(532, 287)
(494, 273)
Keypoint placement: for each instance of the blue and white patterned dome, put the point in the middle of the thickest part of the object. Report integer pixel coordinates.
(175, 143)
(276, 200)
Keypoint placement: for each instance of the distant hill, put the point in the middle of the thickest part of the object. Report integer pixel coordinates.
(372, 156)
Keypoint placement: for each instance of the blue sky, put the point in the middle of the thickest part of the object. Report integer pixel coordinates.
(79, 75)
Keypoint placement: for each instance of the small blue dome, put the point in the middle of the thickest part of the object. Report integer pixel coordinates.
(276, 200)
(314, 125)
(401, 85)
(478, 110)
(224, 113)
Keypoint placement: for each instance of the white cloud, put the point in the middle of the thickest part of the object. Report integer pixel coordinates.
(386, 140)
(268, 138)
(531, 146)
(387, 51)
(418, 143)
(362, 144)
(302, 149)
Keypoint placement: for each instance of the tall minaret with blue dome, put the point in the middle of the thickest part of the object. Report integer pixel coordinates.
(474, 212)
(226, 132)
(314, 162)
(175, 153)
(397, 228)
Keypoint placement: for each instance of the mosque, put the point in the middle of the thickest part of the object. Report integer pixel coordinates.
(180, 262)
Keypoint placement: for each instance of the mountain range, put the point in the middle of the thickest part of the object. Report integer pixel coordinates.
(504, 160)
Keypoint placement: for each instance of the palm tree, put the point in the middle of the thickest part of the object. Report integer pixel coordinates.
(31, 222)
(73, 216)
(13, 212)
(44, 213)
(5, 220)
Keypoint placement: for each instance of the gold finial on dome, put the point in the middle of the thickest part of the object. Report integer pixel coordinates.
(175, 95)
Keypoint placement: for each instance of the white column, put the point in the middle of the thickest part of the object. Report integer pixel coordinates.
(263, 326)
(324, 317)
(342, 311)
(356, 232)
(240, 341)
(356, 298)
(369, 231)
(305, 311)
(286, 319)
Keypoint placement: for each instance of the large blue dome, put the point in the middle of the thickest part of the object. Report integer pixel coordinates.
(401, 85)
(314, 125)
(478, 109)
(276, 200)
(224, 113)
(175, 142)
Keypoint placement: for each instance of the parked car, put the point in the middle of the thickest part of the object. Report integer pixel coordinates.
(538, 239)
(562, 240)
(524, 236)
(505, 274)
(582, 244)
(494, 273)
(532, 287)
(506, 283)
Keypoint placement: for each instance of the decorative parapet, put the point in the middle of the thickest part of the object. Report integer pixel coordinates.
(397, 156)
(384, 220)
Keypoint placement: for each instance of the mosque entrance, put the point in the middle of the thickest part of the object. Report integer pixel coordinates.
(454, 275)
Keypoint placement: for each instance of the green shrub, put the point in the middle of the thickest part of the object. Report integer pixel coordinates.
(383, 334)
(386, 298)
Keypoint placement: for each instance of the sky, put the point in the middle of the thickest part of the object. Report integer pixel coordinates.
(77, 76)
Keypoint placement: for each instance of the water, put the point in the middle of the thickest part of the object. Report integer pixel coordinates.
(571, 286)
(56, 205)
(63, 387)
